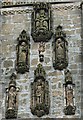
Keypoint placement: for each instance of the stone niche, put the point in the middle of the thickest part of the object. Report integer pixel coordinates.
(60, 51)
(40, 102)
(22, 51)
(11, 99)
(41, 29)
(69, 94)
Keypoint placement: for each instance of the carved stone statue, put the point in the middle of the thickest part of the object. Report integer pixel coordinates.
(68, 76)
(60, 51)
(69, 95)
(22, 52)
(11, 99)
(39, 93)
(41, 22)
(69, 90)
(22, 63)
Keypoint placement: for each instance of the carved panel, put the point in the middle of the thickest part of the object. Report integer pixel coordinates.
(40, 93)
(60, 51)
(11, 99)
(41, 22)
(69, 94)
(22, 48)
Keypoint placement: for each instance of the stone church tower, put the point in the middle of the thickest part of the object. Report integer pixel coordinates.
(41, 59)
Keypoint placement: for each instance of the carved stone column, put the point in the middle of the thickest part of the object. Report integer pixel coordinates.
(69, 94)
(41, 22)
(40, 102)
(12, 99)
(23, 55)
(60, 51)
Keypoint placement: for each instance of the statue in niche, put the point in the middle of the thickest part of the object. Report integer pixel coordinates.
(22, 48)
(12, 99)
(60, 49)
(69, 94)
(60, 52)
(22, 52)
(41, 22)
(39, 93)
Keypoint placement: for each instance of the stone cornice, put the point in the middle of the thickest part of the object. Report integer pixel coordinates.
(13, 12)
(54, 7)
(67, 6)
(26, 3)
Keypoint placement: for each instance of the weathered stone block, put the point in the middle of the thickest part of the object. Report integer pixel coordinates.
(8, 63)
(47, 60)
(34, 61)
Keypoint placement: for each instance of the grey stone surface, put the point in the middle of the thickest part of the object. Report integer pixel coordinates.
(13, 22)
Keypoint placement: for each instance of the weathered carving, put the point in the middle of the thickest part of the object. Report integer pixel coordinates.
(22, 48)
(60, 52)
(69, 94)
(11, 99)
(40, 93)
(82, 20)
(41, 22)
(41, 50)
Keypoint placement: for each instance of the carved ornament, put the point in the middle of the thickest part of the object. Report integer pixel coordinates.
(40, 102)
(69, 94)
(12, 99)
(60, 51)
(41, 50)
(41, 29)
(23, 55)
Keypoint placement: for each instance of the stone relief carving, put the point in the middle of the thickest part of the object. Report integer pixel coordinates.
(69, 94)
(60, 51)
(41, 50)
(41, 22)
(12, 99)
(22, 48)
(40, 102)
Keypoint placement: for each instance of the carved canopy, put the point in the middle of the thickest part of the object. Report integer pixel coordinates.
(41, 29)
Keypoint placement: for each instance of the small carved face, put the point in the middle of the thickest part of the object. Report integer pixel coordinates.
(69, 86)
(12, 89)
(39, 81)
(59, 40)
(42, 12)
(23, 43)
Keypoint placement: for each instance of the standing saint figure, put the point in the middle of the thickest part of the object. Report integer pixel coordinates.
(11, 98)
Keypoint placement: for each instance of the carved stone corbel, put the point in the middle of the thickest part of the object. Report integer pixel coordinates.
(23, 54)
(40, 102)
(12, 99)
(69, 94)
(60, 51)
(41, 22)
